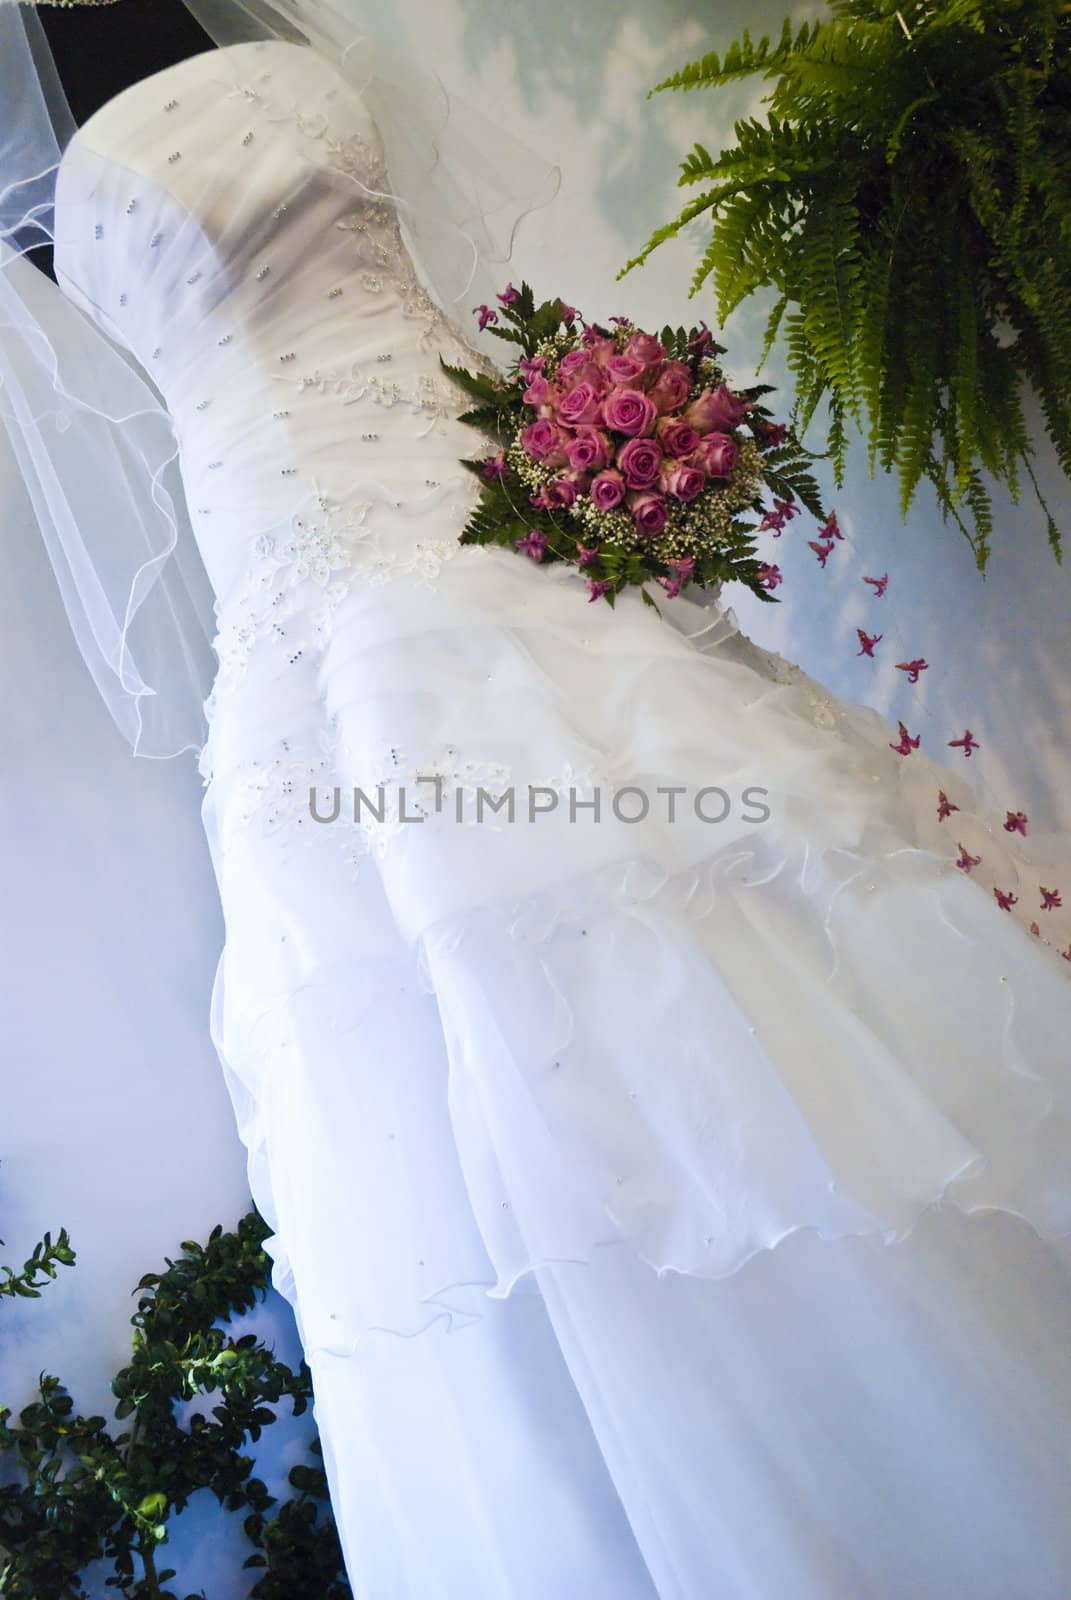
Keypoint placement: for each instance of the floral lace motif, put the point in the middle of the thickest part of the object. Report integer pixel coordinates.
(429, 397)
(297, 581)
(324, 552)
(375, 225)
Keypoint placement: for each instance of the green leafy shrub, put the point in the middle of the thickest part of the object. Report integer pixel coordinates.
(908, 199)
(81, 1494)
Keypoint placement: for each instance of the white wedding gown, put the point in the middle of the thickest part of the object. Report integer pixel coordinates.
(669, 1209)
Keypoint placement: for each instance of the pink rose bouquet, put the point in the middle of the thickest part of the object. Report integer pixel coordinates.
(628, 456)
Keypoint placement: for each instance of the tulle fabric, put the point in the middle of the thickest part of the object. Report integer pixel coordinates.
(820, 1424)
(852, 1031)
(664, 1226)
(95, 449)
(98, 460)
(462, 183)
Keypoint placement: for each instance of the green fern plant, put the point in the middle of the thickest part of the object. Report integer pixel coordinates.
(908, 199)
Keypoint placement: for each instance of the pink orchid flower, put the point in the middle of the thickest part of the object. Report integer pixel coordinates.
(967, 743)
(906, 742)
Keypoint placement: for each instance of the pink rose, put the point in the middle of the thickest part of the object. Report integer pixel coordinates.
(671, 386)
(625, 371)
(544, 441)
(646, 348)
(607, 490)
(629, 411)
(600, 350)
(715, 454)
(538, 392)
(588, 450)
(561, 492)
(648, 511)
(574, 362)
(641, 462)
(589, 373)
(732, 411)
(675, 436)
(716, 410)
(682, 481)
(581, 405)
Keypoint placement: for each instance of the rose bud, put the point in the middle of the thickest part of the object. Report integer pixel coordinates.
(648, 511)
(560, 493)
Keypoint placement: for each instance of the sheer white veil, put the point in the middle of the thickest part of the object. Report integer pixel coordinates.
(461, 182)
(86, 426)
(93, 443)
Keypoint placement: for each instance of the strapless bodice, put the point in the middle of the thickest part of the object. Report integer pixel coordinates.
(220, 221)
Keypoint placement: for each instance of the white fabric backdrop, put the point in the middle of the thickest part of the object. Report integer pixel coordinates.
(117, 1123)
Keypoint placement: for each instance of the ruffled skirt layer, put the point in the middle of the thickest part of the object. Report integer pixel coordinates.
(671, 1207)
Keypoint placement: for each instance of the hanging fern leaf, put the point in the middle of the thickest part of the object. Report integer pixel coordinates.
(907, 195)
(773, 324)
(741, 60)
(694, 209)
(698, 165)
